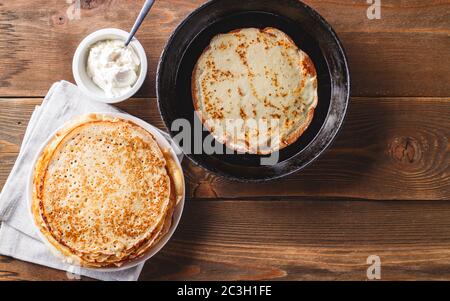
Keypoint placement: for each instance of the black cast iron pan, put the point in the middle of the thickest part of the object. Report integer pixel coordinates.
(309, 31)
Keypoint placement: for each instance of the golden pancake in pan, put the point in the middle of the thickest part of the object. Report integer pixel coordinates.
(255, 90)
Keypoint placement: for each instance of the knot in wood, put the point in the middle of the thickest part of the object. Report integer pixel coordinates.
(405, 150)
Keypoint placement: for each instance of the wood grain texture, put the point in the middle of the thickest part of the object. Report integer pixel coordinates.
(296, 239)
(400, 55)
(389, 148)
(381, 189)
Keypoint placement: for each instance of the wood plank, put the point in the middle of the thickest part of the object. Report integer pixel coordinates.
(16, 270)
(389, 148)
(297, 239)
(399, 55)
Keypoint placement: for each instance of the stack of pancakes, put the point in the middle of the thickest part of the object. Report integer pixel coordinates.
(103, 191)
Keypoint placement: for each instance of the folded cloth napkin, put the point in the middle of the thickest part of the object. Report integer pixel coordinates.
(18, 238)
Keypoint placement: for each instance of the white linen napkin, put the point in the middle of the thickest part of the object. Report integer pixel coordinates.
(18, 238)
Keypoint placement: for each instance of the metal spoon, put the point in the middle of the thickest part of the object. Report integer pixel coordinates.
(144, 11)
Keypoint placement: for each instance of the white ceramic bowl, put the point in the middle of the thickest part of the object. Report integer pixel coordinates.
(79, 63)
(163, 143)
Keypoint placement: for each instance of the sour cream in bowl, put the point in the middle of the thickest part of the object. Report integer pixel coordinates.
(105, 69)
(113, 67)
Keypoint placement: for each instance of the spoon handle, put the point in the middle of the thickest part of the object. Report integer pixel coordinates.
(144, 11)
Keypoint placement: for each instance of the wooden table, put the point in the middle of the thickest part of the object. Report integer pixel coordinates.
(383, 188)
